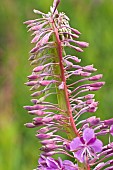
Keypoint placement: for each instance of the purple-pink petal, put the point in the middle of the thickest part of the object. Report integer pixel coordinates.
(80, 155)
(91, 141)
(75, 144)
(88, 134)
(97, 145)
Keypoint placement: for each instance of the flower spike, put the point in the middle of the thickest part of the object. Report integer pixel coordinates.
(52, 71)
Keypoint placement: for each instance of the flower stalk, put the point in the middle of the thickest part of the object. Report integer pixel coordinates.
(63, 96)
(51, 75)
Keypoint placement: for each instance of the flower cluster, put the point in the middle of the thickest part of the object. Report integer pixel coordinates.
(50, 78)
(52, 164)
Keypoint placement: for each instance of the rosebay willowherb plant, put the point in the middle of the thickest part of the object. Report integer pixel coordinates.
(52, 77)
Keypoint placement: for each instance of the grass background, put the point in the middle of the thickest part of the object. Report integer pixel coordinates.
(94, 18)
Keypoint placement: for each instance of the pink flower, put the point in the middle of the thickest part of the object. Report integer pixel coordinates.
(86, 146)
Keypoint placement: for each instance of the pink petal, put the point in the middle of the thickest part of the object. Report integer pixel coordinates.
(97, 145)
(79, 155)
(76, 143)
(88, 134)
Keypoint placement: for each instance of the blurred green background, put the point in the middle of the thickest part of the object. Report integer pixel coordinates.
(94, 18)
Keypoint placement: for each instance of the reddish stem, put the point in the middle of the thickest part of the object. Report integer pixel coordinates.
(64, 79)
(88, 167)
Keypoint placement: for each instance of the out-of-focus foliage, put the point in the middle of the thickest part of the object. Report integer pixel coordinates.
(94, 18)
